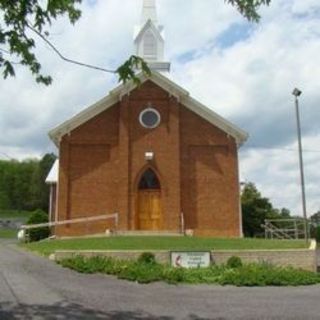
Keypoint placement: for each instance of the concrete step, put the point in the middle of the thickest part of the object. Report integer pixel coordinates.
(137, 233)
(126, 234)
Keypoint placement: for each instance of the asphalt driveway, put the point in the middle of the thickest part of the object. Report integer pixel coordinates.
(32, 287)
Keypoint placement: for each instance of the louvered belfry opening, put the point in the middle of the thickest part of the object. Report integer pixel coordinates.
(150, 46)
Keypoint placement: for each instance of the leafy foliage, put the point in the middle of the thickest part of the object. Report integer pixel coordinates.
(128, 70)
(315, 218)
(255, 209)
(37, 234)
(147, 258)
(249, 8)
(315, 232)
(234, 262)
(262, 274)
(23, 20)
(18, 17)
(26, 19)
(265, 274)
(22, 184)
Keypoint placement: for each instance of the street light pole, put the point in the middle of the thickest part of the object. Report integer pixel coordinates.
(297, 93)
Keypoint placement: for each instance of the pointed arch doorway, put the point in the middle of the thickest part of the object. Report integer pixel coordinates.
(149, 214)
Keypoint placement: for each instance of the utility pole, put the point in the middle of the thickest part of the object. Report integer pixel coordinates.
(297, 93)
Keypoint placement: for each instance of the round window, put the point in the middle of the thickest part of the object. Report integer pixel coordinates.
(150, 118)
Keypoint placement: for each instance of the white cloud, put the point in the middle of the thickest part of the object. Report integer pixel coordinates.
(276, 172)
(249, 80)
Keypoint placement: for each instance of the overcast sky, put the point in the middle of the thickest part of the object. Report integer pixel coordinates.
(245, 72)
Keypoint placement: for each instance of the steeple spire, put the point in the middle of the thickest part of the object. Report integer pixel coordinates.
(149, 38)
(149, 12)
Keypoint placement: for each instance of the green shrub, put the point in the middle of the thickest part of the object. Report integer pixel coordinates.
(141, 272)
(147, 258)
(37, 234)
(254, 274)
(264, 274)
(174, 275)
(234, 262)
(315, 233)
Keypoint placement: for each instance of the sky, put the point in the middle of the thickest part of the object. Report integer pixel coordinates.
(246, 72)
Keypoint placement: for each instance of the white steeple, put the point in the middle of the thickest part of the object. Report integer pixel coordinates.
(149, 11)
(149, 38)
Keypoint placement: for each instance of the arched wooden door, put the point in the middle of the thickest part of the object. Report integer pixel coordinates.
(149, 202)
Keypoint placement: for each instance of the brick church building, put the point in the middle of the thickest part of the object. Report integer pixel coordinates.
(151, 153)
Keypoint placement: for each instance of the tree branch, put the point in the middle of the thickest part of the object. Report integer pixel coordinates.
(8, 53)
(53, 47)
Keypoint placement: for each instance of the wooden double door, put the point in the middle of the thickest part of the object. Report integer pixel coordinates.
(149, 202)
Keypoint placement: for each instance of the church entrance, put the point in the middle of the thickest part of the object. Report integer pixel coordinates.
(149, 202)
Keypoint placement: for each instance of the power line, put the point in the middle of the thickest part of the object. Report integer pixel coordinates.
(54, 48)
(8, 53)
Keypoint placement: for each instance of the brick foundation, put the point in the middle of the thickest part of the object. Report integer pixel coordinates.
(297, 258)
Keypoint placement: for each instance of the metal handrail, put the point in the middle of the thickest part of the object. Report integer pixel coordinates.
(72, 221)
(276, 231)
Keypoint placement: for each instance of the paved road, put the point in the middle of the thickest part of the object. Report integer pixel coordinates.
(34, 288)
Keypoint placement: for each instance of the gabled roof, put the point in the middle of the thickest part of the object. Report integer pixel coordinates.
(53, 175)
(149, 25)
(168, 85)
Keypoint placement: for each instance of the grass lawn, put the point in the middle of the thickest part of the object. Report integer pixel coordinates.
(8, 233)
(161, 243)
(15, 214)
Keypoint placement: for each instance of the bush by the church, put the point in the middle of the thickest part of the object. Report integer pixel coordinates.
(254, 274)
(315, 233)
(265, 274)
(37, 234)
(234, 262)
(147, 257)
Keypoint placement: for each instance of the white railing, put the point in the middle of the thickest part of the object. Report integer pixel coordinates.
(283, 229)
(114, 216)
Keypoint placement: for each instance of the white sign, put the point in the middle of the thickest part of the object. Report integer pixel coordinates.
(190, 259)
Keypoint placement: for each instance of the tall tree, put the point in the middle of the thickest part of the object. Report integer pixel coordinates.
(25, 20)
(255, 209)
(22, 184)
(315, 218)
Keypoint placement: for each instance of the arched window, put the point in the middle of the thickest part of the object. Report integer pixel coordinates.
(149, 180)
(150, 46)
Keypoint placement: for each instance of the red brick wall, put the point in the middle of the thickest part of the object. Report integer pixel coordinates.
(164, 142)
(88, 172)
(102, 160)
(209, 178)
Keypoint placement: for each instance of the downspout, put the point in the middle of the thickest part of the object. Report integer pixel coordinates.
(239, 187)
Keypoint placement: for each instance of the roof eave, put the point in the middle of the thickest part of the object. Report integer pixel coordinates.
(168, 85)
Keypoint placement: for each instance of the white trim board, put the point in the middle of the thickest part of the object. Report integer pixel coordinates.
(168, 85)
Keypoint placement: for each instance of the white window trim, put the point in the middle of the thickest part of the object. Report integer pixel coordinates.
(148, 110)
